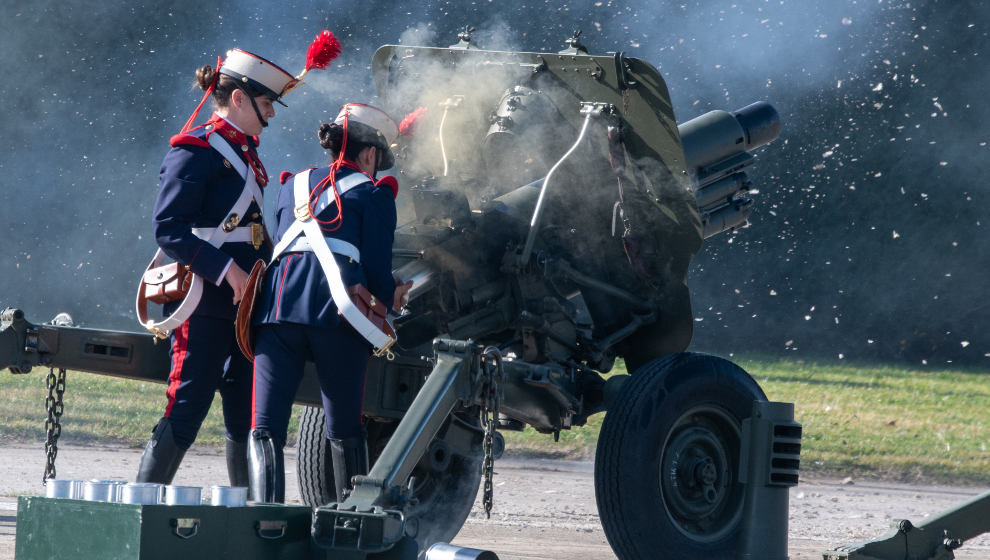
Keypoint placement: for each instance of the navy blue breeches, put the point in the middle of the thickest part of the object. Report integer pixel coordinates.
(205, 358)
(280, 354)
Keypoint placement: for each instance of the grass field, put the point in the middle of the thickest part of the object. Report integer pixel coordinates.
(859, 420)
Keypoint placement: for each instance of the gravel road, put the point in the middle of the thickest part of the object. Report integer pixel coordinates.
(543, 509)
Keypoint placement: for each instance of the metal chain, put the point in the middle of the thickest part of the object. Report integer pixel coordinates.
(492, 364)
(53, 426)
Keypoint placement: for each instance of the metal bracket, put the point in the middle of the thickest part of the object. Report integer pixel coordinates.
(452, 101)
(538, 67)
(622, 72)
(574, 46)
(464, 39)
(598, 109)
(185, 527)
(370, 531)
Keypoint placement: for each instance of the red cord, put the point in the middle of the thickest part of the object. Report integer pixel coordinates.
(209, 91)
(331, 179)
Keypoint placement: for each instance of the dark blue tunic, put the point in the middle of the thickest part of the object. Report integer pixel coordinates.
(295, 289)
(198, 189)
(298, 319)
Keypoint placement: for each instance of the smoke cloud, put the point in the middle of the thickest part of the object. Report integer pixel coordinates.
(867, 239)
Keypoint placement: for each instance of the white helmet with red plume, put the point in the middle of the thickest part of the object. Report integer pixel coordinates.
(252, 70)
(267, 77)
(370, 125)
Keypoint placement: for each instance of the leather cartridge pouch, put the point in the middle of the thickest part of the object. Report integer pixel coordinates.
(242, 324)
(166, 283)
(372, 308)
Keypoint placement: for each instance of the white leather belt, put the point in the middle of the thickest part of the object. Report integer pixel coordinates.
(301, 245)
(216, 236)
(240, 234)
(310, 229)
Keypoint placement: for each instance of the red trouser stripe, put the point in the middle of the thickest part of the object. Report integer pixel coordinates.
(254, 396)
(285, 273)
(179, 347)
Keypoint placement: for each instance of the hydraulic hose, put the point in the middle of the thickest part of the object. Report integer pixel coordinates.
(527, 249)
(443, 150)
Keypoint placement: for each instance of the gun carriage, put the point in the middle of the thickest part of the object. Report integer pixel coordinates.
(552, 207)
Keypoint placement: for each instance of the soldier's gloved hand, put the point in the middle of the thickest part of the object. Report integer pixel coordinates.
(401, 297)
(238, 280)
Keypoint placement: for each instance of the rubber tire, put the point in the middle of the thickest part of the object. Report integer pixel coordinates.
(445, 498)
(314, 469)
(686, 401)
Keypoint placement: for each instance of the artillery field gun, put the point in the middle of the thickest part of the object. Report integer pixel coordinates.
(553, 206)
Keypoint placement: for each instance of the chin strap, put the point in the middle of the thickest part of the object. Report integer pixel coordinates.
(254, 104)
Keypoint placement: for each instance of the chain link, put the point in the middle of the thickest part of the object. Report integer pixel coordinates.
(53, 425)
(492, 368)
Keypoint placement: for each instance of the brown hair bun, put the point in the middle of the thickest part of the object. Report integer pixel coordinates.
(330, 135)
(204, 77)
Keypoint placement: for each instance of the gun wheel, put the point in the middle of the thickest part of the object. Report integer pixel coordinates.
(445, 481)
(667, 464)
(314, 469)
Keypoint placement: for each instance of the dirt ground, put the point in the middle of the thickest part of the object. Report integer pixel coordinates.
(543, 509)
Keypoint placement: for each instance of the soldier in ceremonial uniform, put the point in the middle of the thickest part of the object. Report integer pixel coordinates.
(200, 182)
(296, 317)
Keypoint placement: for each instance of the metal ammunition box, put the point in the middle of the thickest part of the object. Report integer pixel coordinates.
(53, 528)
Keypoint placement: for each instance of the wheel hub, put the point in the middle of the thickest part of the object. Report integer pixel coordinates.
(696, 478)
(705, 475)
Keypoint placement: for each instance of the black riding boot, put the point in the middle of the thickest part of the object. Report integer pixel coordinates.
(161, 456)
(237, 462)
(266, 468)
(350, 458)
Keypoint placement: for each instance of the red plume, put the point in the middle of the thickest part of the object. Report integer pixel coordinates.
(322, 51)
(408, 125)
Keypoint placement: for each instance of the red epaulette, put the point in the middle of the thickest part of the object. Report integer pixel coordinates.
(285, 176)
(188, 140)
(390, 182)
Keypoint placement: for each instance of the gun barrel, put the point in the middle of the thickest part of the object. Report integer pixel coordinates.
(721, 191)
(720, 135)
(734, 214)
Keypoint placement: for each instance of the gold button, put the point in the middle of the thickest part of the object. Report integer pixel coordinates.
(255, 215)
(226, 163)
(244, 148)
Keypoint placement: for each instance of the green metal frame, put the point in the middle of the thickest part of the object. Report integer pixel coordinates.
(935, 539)
(371, 519)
